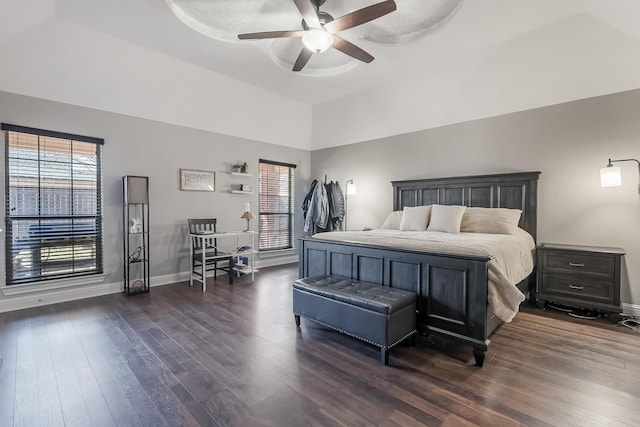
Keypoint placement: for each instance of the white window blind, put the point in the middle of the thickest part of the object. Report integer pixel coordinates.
(53, 208)
(276, 205)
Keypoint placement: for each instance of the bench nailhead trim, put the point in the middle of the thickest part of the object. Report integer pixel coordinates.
(356, 336)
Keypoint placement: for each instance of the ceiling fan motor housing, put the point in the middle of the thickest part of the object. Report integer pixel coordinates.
(317, 3)
(323, 17)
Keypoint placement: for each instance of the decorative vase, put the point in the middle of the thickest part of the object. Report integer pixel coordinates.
(244, 168)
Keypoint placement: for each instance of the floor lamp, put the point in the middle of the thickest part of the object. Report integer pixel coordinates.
(350, 188)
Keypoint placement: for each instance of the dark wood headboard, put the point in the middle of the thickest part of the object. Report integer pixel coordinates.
(507, 190)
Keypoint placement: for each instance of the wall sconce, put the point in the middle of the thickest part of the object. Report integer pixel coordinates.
(350, 187)
(610, 176)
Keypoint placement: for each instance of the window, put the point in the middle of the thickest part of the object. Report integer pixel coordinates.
(53, 209)
(276, 205)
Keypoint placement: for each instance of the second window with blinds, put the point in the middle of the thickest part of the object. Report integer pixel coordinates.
(276, 189)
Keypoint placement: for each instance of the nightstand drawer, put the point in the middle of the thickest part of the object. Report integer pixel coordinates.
(577, 286)
(595, 264)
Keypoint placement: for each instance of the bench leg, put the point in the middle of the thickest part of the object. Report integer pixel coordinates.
(297, 320)
(412, 340)
(384, 356)
(479, 356)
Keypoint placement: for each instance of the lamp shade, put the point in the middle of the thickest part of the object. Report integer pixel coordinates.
(317, 40)
(247, 215)
(351, 189)
(610, 176)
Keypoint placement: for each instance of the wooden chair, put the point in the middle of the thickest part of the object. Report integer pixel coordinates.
(209, 258)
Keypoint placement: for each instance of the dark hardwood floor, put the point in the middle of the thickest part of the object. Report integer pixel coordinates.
(232, 356)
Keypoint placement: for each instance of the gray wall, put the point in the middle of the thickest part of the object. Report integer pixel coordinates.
(142, 147)
(568, 143)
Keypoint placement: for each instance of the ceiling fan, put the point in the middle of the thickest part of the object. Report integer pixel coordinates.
(319, 30)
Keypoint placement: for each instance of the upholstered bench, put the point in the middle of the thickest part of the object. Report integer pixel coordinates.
(377, 314)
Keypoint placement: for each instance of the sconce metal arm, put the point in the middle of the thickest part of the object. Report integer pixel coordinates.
(624, 160)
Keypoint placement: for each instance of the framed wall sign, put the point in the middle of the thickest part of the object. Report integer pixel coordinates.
(194, 180)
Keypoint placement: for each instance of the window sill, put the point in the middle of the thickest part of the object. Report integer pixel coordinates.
(278, 253)
(48, 285)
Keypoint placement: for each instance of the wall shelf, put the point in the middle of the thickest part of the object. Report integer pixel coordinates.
(240, 192)
(241, 174)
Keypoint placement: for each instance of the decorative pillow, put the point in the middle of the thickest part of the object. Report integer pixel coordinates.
(393, 221)
(490, 220)
(415, 218)
(446, 218)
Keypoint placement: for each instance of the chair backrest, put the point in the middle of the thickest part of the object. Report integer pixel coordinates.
(201, 225)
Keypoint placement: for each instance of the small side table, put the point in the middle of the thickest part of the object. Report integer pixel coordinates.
(585, 277)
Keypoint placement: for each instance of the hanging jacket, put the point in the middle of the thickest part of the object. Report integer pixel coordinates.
(330, 222)
(307, 199)
(338, 202)
(318, 211)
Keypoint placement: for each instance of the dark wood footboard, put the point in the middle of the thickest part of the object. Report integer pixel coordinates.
(452, 289)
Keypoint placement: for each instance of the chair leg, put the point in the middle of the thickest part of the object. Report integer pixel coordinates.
(231, 271)
(204, 274)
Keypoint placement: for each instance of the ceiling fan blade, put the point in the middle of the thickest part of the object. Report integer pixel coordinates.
(271, 35)
(351, 49)
(303, 58)
(361, 16)
(308, 13)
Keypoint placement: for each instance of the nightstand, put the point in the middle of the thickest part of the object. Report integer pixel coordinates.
(584, 277)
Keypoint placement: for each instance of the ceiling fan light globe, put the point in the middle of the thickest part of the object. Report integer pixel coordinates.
(317, 40)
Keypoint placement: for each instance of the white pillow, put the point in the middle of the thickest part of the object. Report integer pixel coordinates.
(490, 220)
(415, 218)
(393, 221)
(446, 218)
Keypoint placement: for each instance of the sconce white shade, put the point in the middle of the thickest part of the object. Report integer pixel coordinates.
(610, 177)
(351, 189)
(317, 40)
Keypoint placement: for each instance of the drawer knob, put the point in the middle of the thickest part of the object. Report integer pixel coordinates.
(576, 264)
(576, 287)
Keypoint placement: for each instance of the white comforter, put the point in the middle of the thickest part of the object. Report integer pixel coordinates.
(512, 256)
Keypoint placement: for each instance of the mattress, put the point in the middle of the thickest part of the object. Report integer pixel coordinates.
(512, 256)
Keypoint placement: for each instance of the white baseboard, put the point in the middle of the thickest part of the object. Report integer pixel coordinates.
(54, 296)
(632, 309)
(270, 262)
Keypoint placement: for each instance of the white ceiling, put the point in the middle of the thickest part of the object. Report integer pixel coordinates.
(493, 57)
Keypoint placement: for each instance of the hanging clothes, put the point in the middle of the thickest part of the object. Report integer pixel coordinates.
(317, 216)
(307, 199)
(328, 188)
(337, 205)
(323, 207)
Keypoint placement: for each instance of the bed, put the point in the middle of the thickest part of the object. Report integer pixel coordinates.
(453, 287)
